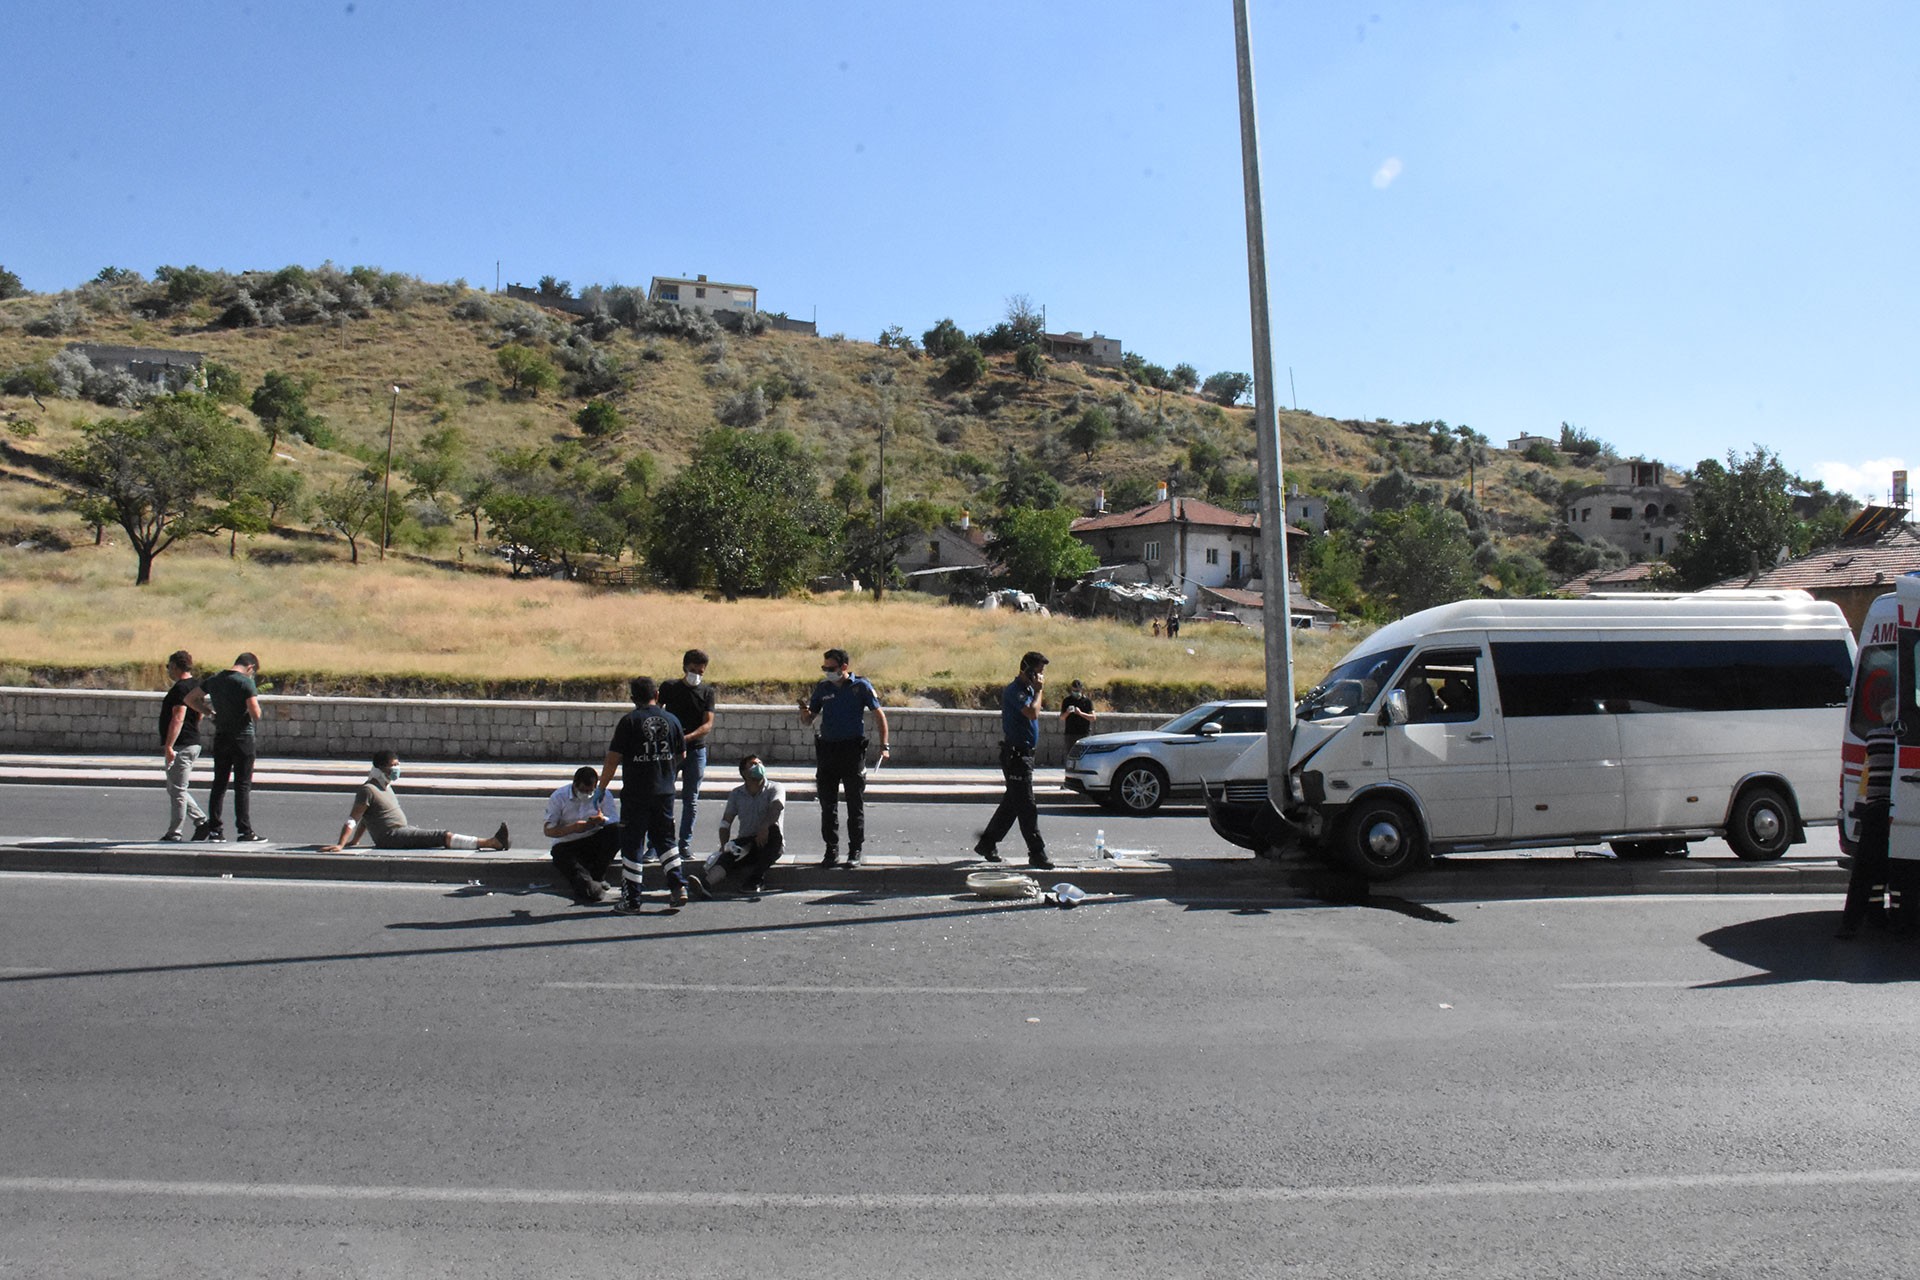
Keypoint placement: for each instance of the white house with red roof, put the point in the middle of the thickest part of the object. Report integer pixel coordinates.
(1182, 543)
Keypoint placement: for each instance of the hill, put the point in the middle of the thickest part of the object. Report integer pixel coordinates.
(945, 444)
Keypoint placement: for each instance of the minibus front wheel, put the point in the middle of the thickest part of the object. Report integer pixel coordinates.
(1762, 823)
(1381, 839)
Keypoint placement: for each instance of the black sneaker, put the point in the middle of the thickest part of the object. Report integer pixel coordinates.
(829, 862)
(987, 853)
(699, 886)
(853, 862)
(214, 836)
(205, 830)
(627, 907)
(173, 837)
(1040, 862)
(501, 836)
(248, 837)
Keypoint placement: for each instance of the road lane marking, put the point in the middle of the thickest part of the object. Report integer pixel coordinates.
(968, 1202)
(748, 988)
(1656, 985)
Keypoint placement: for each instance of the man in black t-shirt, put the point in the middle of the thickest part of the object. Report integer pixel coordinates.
(647, 749)
(1076, 714)
(180, 747)
(690, 701)
(234, 701)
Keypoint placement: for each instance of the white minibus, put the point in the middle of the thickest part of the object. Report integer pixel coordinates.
(1643, 720)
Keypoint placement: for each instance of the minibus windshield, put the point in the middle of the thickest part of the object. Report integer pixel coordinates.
(1351, 687)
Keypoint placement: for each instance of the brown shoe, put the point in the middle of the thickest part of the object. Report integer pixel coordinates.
(677, 898)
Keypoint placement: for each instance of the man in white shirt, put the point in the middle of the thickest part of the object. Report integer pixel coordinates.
(586, 837)
(758, 805)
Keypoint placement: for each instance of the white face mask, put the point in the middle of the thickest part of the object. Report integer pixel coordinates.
(693, 679)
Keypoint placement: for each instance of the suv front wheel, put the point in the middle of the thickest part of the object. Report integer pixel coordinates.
(1139, 787)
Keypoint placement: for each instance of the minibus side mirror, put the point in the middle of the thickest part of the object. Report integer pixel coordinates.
(1395, 709)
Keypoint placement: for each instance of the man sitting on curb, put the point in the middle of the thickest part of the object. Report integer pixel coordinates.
(586, 837)
(759, 804)
(377, 810)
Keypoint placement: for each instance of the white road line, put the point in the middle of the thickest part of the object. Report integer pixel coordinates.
(970, 1202)
(748, 988)
(1654, 985)
(135, 881)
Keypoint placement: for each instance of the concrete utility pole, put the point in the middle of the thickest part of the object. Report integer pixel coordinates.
(1273, 508)
(386, 483)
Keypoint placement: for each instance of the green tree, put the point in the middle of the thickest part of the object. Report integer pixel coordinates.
(349, 507)
(162, 474)
(1037, 549)
(284, 490)
(537, 527)
(280, 402)
(943, 340)
(599, 418)
(1820, 515)
(10, 286)
(1183, 377)
(245, 512)
(1090, 430)
(1740, 521)
(1421, 557)
(1226, 388)
(1030, 361)
(1331, 569)
(744, 515)
(966, 366)
(526, 369)
(224, 383)
(1025, 483)
(437, 467)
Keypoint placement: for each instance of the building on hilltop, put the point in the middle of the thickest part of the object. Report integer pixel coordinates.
(701, 294)
(1525, 441)
(155, 366)
(1635, 509)
(1072, 346)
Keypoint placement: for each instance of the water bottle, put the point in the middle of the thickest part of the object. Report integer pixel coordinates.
(1100, 844)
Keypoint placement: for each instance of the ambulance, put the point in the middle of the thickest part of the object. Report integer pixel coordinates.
(1883, 681)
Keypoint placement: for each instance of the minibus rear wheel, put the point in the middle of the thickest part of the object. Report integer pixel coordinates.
(1381, 839)
(1761, 825)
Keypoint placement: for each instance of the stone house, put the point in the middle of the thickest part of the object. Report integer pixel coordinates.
(1635, 508)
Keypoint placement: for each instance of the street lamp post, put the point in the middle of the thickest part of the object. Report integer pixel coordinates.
(386, 482)
(1273, 511)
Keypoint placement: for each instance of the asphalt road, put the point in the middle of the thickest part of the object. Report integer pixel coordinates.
(231, 1077)
(310, 818)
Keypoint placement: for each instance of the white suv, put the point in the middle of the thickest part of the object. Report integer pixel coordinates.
(1137, 772)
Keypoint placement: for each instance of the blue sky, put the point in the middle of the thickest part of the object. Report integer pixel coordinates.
(1682, 227)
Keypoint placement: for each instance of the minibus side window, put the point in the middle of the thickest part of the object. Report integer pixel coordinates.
(1443, 687)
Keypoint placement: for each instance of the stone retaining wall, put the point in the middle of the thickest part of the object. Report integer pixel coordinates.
(112, 721)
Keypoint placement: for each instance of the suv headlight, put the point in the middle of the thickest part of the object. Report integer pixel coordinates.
(1084, 750)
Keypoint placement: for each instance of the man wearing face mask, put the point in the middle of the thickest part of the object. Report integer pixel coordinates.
(1019, 738)
(759, 805)
(586, 837)
(690, 701)
(376, 811)
(840, 703)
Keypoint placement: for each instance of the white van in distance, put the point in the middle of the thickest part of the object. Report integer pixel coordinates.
(1643, 720)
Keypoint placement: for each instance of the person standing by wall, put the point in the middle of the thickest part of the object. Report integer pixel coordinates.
(585, 835)
(233, 699)
(180, 747)
(840, 703)
(646, 750)
(1019, 738)
(690, 701)
(1076, 714)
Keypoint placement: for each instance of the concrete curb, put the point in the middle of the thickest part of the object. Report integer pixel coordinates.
(1245, 878)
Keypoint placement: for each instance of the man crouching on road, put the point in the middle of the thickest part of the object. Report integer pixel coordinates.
(376, 811)
(758, 804)
(585, 835)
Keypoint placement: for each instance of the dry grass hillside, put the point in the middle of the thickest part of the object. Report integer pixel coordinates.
(440, 343)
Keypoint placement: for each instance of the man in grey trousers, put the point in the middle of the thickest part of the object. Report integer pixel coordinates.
(180, 748)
